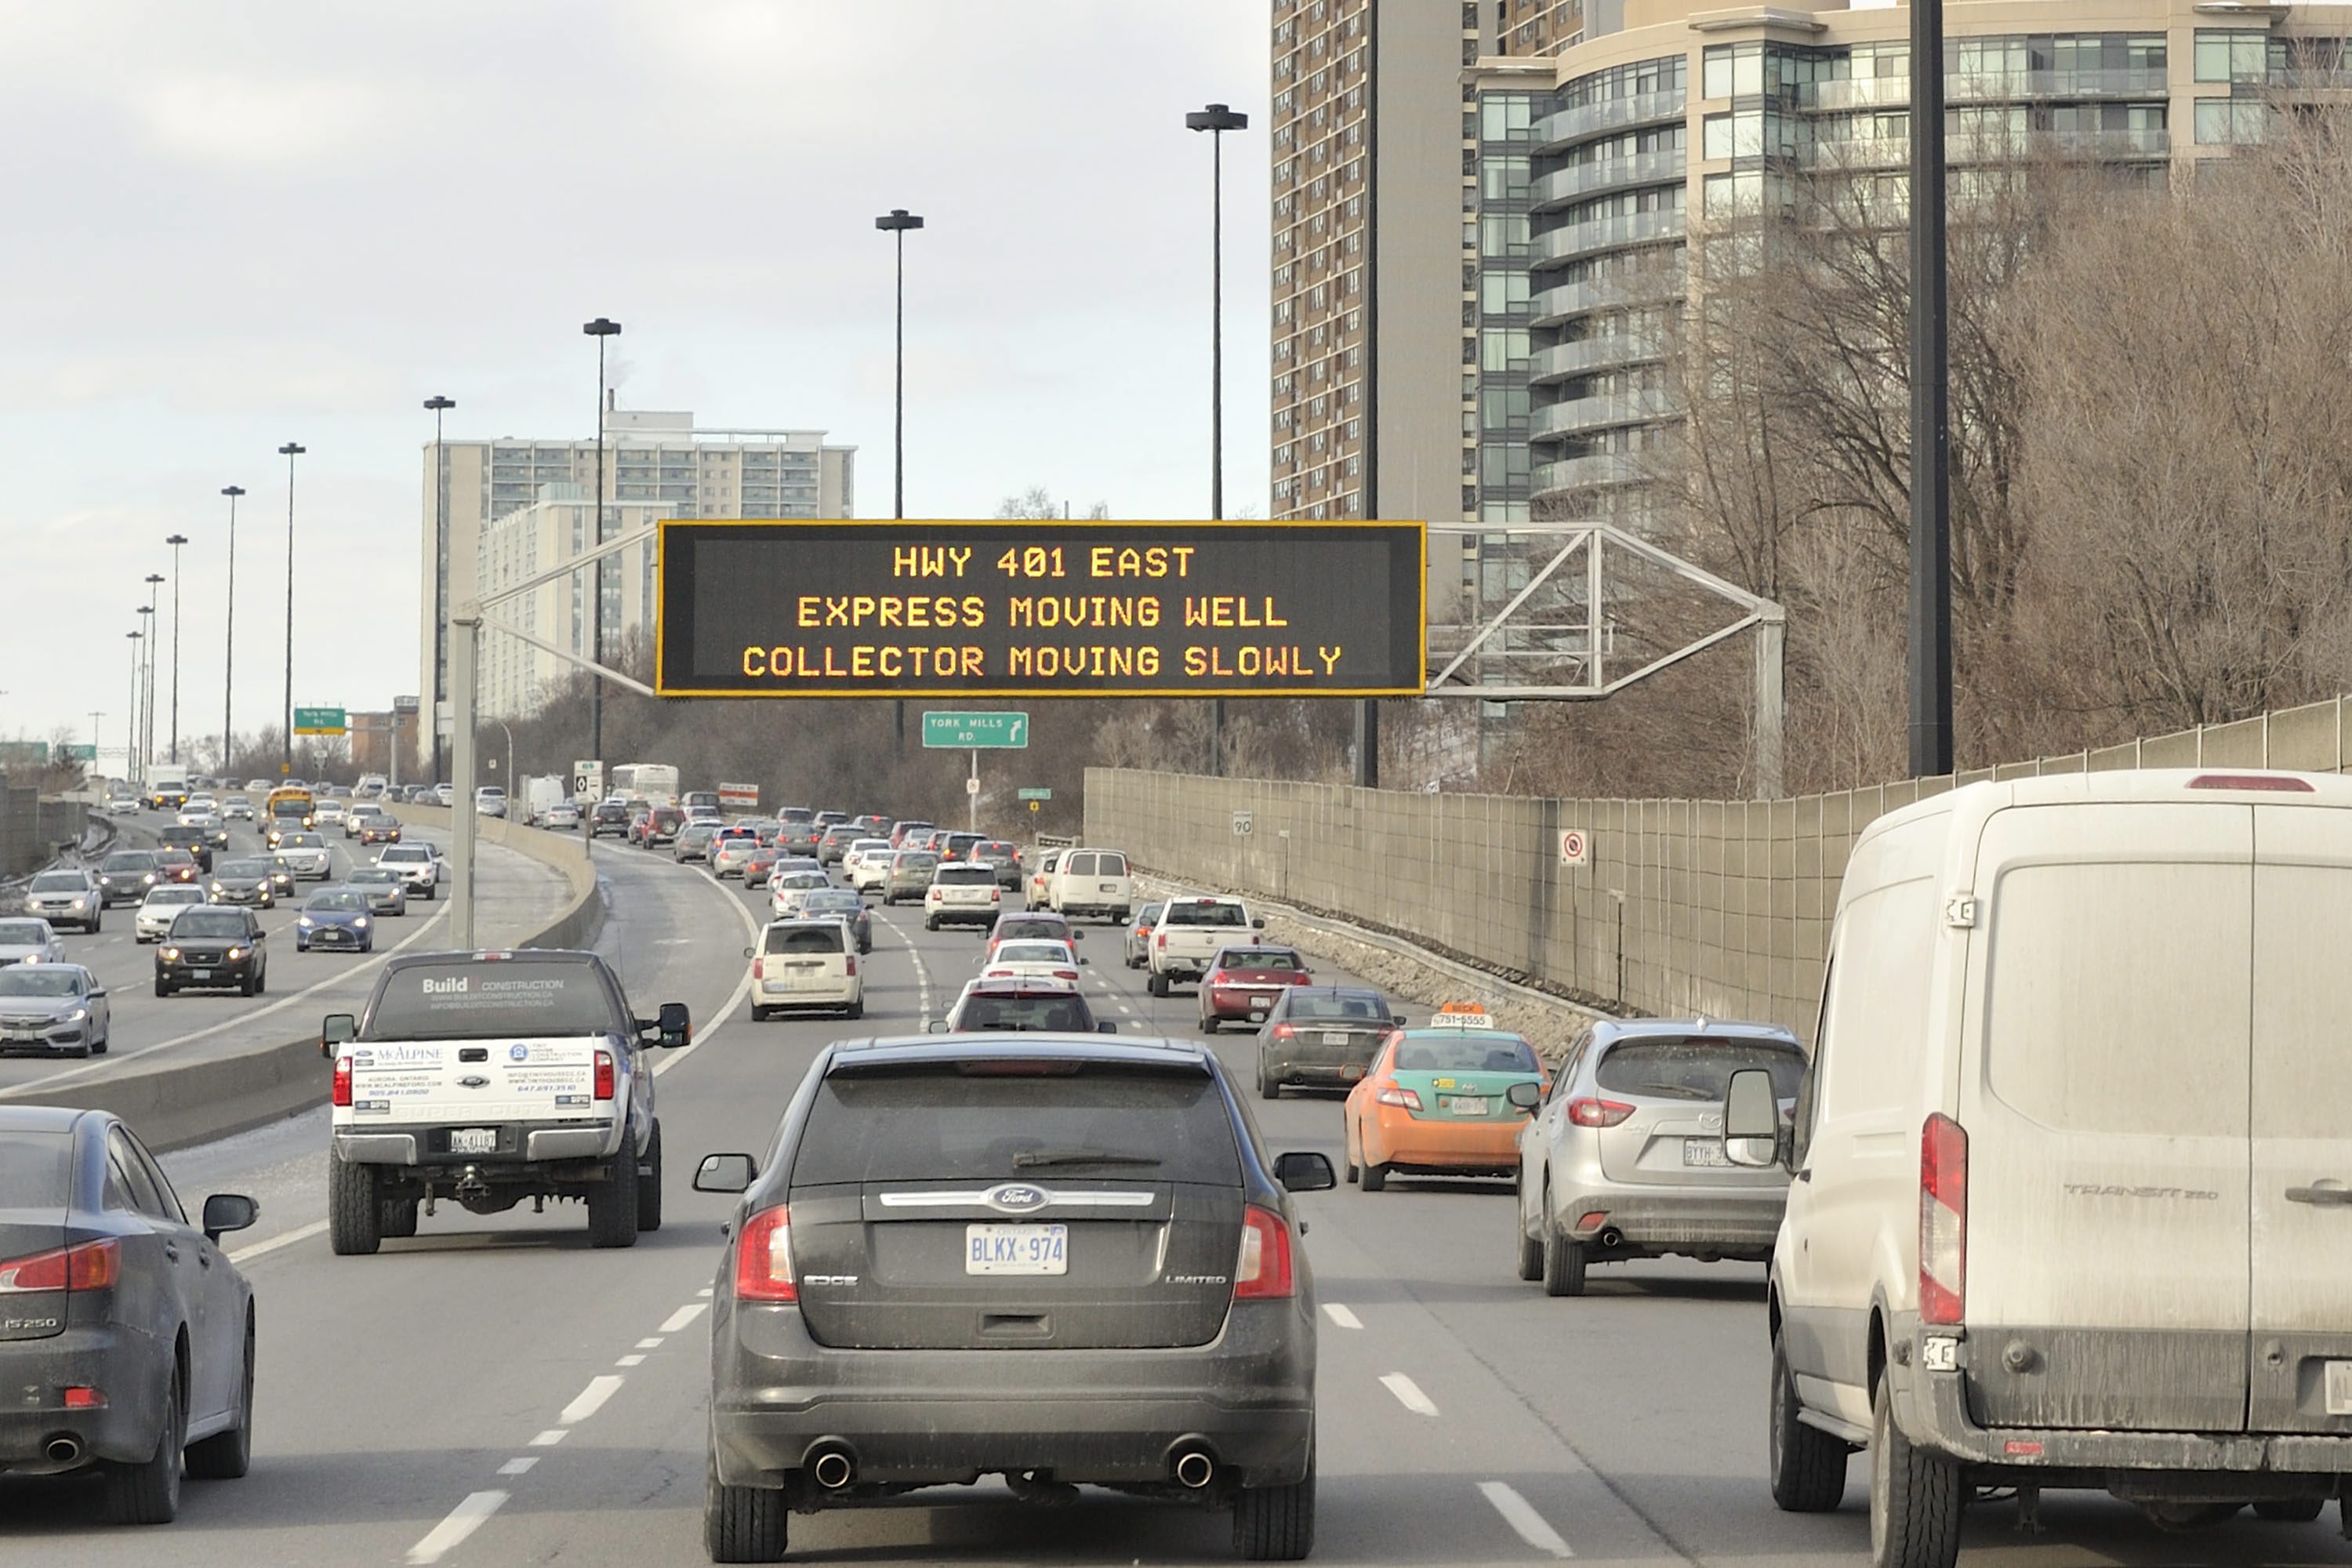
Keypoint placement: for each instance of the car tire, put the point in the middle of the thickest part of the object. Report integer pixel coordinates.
(1914, 1497)
(612, 1205)
(2291, 1510)
(1275, 1524)
(163, 987)
(246, 986)
(1563, 1261)
(759, 1015)
(855, 1010)
(104, 1040)
(742, 1524)
(227, 1455)
(1157, 984)
(1374, 1178)
(97, 923)
(649, 1182)
(930, 924)
(354, 1208)
(399, 1221)
(1530, 1255)
(147, 1492)
(1349, 1171)
(1807, 1465)
(1268, 1087)
(1210, 1024)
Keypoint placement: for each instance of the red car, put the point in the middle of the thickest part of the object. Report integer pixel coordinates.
(1241, 983)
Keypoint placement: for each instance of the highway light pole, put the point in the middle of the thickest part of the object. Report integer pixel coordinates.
(131, 725)
(175, 540)
(1216, 119)
(896, 224)
(438, 406)
(1931, 432)
(600, 329)
(290, 451)
(228, 651)
(154, 657)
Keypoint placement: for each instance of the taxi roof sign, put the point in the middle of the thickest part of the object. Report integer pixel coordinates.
(1461, 1016)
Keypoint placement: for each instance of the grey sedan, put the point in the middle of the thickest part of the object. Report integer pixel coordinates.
(1321, 1036)
(29, 942)
(70, 897)
(56, 1008)
(248, 882)
(386, 889)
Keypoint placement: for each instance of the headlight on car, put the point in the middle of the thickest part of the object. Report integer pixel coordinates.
(304, 922)
(78, 1015)
(234, 954)
(170, 955)
(361, 923)
(78, 904)
(32, 958)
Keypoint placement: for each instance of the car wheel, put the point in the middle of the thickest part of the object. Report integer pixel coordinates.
(930, 924)
(612, 1204)
(649, 1182)
(1374, 1178)
(97, 923)
(855, 1010)
(1210, 1024)
(1808, 1466)
(400, 1218)
(759, 1014)
(1157, 985)
(742, 1524)
(1349, 1169)
(1530, 1248)
(354, 1208)
(299, 946)
(1268, 1087)
(2290, 1511)
(1563, 1260)
(1914, 1497)
(227, 1455)
(163, 987)
(147, 1492)
(1275, 1524)
(105, 1039)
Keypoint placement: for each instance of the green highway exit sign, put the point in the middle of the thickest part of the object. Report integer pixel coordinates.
(983, 732)
(1036, 795)
(320, 722)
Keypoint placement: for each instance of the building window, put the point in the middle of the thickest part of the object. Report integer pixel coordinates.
(2232, 54)
(2221, 122)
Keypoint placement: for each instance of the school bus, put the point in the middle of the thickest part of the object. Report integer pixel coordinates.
(290, 811)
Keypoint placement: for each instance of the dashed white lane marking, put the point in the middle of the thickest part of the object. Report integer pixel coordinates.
(464, 1520)
(1341, 1315)
(519, 1467)
(1409, 1394)
(549, 1439)
(600, 1389)
(704, 1292)
(1521, 1515)
(650, 1344)
(630, 1360)
(683, 1316)
(284, 1239)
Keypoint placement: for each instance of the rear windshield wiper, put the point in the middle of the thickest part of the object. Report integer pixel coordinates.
(1030, 1159)
(1679, 1091)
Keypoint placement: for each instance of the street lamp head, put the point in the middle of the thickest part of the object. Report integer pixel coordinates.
(292, 449)
(437, 403)
(898, 220)
(601, 328)
(231, 491)
(177, 539)
(1216, 116)
(154, 576)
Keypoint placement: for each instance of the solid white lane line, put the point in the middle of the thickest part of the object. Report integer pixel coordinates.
(518, 1467)
(630, 1360)
(592, 1399)
(649, 1344)
(463, 1521)
(1341, 1315)
(1521, 1515)
(683, 1316)
(283, 1239)
(549, 1439)
(1408, 1393)
(727, 1009)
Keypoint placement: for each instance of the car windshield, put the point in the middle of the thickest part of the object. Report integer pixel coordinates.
(965, 877)
(917, 860)
(1147, 915)
(797, 880)
(848, 903)
(1064, 1012)
(1695, 1067)
(202, 922)
(351, 903)
(39, 980)
(1260, 958)
(1030, 925)
(373, 875)
(1205, 912)
(488, 1000)
(57, 882)
(1033, 953)
(1465, 1051)
(290, 809)
(131, 860)
(35, 1170)
(255, 870)
(943, 1124)
(302, 841)
(825, 938)
(24, 933)
(1362, 1009)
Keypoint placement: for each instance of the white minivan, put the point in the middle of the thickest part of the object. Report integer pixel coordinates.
(2073, 1158)
(805, 964)
(1091, 882)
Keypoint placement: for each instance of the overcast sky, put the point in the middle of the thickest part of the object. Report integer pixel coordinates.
(237, 223)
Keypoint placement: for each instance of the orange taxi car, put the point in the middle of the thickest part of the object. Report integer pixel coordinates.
(1437, 1101)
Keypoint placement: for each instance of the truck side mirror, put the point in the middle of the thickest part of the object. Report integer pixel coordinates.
(1257, 922)
(338, 1028)
(1751, 1119)
(1525, 1096)
(677, 1026)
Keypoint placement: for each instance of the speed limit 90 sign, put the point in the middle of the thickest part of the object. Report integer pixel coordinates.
(1575, 848)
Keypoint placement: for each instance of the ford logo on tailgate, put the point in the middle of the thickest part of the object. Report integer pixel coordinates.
(473, 1080)
(1015, 1198)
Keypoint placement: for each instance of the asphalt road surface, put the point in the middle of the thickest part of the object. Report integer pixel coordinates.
(493, 1391)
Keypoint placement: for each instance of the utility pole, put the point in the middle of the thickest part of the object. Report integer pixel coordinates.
(228, 663)
(290, 451)
(1931, 434)
(895, 223)
(600, 329)
(438, 406)
(1216, 119)
(175, 540)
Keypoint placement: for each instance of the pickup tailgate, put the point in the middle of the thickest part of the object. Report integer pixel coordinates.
(477, 1081)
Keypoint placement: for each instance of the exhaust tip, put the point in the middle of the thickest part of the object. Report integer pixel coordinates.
(1613, 1238)
(1194, 1468)
(62, 1450)
(833, 1470)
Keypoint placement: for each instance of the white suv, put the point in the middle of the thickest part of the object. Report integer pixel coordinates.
(418, 865)
(961, 894)
(805, 964)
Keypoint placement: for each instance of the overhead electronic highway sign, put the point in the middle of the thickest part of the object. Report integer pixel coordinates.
(838, 608)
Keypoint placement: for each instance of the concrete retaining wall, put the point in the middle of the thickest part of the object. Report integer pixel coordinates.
(1714, 907)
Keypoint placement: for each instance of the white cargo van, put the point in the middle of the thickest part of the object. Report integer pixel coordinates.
(2072, 1203)
(1091, 882)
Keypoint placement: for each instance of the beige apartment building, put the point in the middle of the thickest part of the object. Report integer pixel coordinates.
(515, 677)
(653, 460)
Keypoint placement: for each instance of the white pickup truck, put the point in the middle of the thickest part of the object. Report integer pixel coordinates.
(1191, 928)
(490, 1077)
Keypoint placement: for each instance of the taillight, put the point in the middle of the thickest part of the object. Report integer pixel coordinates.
(1943, 1221)
(83, 1397)
(1402, 1098)
(764, 1259)
(759, 967)
(995, 894)
(92, 1266)
(1066, 975)
(1284, 1032)
(344, 1081)
(1263, 1272)
(853, 964)
(1215, 977)
(603, 1075)
(1161, 937)
(1597, 1112)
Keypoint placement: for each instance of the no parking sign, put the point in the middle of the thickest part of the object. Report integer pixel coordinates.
(1575, 848)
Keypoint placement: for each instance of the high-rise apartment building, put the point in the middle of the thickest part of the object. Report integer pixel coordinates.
(515, 675)
(652, 460)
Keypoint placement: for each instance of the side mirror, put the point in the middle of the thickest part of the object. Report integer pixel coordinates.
(1304, 1171)
(1396, 1020)
(1525, 1096)
(725, 1174)
(1077, 936)
(936, 1026)
(1107, 1027)
(338, 1027)
(1257, 922)
(224, 1212)
(1082, 960)
(1751, 1119)
(750, 952)
(99, 994)
(677, 1026)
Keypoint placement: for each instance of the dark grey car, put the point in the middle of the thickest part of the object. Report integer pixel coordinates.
(245, 882)
(1321, 1036)
(104, 1277)
(1082, 1264)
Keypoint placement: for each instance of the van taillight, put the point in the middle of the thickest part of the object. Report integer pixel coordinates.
(1263, 1272)
(344, 1081)
(764, 1259)
(853, 964)
(1943, 1221)
(603, 1075)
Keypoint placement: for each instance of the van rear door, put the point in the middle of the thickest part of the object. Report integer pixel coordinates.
(2104, 1093)
(2300, 1357)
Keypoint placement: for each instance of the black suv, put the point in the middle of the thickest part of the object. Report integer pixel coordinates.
(213, 945)
(1083, 1264)
(610, 816)
(194, 840)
